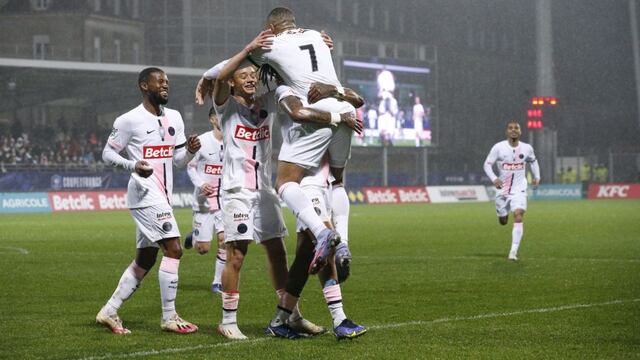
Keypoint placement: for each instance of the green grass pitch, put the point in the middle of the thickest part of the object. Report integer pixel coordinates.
(430, 281)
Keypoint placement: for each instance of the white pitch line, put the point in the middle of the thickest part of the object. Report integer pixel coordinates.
(426, 257)
(20, 250)
(374, 327)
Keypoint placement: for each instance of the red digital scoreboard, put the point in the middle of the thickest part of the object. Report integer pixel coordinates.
(535, 113)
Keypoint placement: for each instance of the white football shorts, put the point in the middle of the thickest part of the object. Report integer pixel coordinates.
(154, 223)
(509, 203)
(205, 224)
(319, 198)
(252, 215)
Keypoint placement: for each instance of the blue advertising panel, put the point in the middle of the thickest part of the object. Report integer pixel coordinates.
(24, 202)
(557, 192)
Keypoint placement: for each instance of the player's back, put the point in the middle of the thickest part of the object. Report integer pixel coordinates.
(301, 58)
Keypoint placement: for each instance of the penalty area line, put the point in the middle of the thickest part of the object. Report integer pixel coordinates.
(374, 327)
(16, 249)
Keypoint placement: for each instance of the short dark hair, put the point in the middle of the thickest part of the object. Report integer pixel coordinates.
(144, 74)
(513, 122)
(212, 112)
(280, 15)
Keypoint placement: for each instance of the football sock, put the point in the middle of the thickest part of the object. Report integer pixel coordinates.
(287, 300)
(280, 317)
(168, 278)
(333, 297)
(516, 236)
(127, 285)
(301, 206)
(230, 307)
(340, 207)
(221, 260)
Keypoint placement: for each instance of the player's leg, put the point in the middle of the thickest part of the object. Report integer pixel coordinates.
(168, 279)
(502, 209)
(340, 208)
(238, 233)
(519, 206)
(343, 328)
(221, 260)
(236, 252)
(128, 284)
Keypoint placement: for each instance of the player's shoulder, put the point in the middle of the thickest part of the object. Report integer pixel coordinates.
(298, 33)
(171, 113)
(500, 145)
(130, 117)
(526, 146)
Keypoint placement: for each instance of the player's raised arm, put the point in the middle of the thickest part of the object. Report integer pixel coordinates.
(298, 113)
(319, 91)
(221, 90)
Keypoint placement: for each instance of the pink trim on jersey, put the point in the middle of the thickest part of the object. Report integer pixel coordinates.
(332, 293)
(249, 167)
(158, 174)
(169, 265)
(115, 145)
(508, 184)
(165, 124)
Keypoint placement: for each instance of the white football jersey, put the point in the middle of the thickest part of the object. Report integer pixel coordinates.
(317, 176)
(301, 58)
(206, 168)
(146, 136)
(511, 164)
(247, 142)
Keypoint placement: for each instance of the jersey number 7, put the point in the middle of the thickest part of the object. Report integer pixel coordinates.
(312, 56)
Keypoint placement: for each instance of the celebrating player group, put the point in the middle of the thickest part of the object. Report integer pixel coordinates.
(285, 68)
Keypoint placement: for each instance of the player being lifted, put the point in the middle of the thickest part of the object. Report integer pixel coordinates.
(510, 157)
(251, 209)
(301, 57)
(205, 172)
(153, 137)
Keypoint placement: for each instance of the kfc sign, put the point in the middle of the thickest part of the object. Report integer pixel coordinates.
(157, 152)
(614, 191)
(251, 134)
(396, 195)
(512, 166)
(213, 169)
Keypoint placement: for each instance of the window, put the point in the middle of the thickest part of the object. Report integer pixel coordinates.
(97, 49)
(116, 50)
(40, 46)
(41, 4)
(355, 14)
(135, 9)
(116, 7)
(136, 52)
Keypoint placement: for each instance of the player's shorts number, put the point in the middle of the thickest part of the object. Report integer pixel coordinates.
(312, 56)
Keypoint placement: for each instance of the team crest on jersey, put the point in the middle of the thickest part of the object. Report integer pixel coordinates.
(213, 169)
(252, 134)
(172, 131)
(521, 156)
(512, 166)
(114, 133)
(157, 152)
(167, 226)
(242, 228)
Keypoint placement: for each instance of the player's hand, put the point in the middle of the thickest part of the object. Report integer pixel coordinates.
(143, 169)
(351, 122)
(319, 91)
(536, 182)
(193, 143)
(263, 41)
(207, 189)
(202, 247)
(204, 89)
(327, 39)
(497, 183)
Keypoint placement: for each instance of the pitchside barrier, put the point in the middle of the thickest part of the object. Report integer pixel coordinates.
(65, 201)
